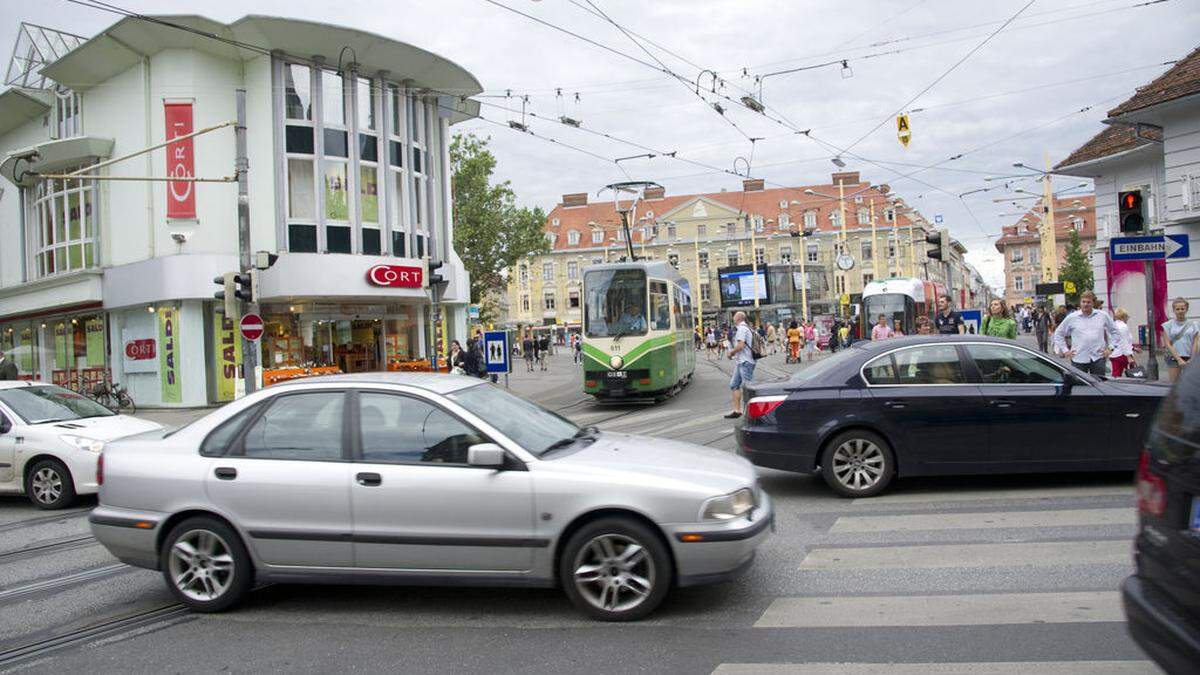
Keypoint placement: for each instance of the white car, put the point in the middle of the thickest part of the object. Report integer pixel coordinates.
(50, 439)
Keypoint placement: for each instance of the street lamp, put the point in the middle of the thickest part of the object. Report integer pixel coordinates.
(801, 234)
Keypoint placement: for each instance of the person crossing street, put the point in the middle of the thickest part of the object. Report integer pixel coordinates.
(743, 359)
(1092, 335)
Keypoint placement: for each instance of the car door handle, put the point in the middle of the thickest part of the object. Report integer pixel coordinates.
(1001, 403)
(894, 405)
(226, 472)
(369, 479)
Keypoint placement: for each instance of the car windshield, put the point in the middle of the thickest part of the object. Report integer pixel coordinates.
(533, 427)
(48, 403)
(616, 302)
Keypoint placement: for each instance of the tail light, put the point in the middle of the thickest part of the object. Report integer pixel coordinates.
(644, 381)
(763, 405)
(589, 383)
(1151, 489)
(100, 469)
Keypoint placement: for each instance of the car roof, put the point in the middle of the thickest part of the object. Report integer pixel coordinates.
(438, 383)
(13, 384)
(873, 346)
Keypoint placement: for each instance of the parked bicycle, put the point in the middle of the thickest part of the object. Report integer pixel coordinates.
(114, 397)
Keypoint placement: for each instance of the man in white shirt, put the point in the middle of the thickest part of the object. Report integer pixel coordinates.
(1092, 335)
(743, 362)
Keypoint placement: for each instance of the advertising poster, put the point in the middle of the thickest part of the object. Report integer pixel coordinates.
(181, 161)
(168, 354)
(1127, 290)
(227, 356)
(94, 328)
(61, 361)
(25, 358)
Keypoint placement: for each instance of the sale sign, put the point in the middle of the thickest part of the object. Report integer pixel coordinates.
(181, 161)
(168, 356)
(227, 355)
(396, 276)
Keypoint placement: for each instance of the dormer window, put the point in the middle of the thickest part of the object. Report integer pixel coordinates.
(573, 238)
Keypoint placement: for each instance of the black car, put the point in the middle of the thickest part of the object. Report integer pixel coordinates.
(943, 405)
(1162, 599)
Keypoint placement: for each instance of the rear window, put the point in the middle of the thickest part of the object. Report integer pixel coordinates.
(1179, 417)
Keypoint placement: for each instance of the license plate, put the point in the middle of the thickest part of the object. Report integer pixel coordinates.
(617, 375)
(1194, 520)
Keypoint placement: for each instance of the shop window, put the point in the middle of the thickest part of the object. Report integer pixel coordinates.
(297, 96)
(337, 204)
(19, 342)
(79, 351)
(62, 215)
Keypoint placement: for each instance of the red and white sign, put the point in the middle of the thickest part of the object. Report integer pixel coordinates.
(181, 161)
(251, 327)
(140, 350)
(396, 276)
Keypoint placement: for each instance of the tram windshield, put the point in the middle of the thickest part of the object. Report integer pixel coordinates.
(899, 309)
(616, 302)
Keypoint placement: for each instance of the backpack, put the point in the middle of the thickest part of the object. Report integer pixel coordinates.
(756, 345)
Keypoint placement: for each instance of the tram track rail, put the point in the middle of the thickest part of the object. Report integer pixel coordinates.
(42, 520)
(14, 656)
(42, 548)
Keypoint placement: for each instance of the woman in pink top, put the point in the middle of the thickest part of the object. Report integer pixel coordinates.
(810, 339)
(881, 330)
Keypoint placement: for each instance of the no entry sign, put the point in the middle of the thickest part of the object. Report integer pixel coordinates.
(251, 326)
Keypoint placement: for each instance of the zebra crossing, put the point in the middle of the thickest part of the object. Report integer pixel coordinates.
(959, 562)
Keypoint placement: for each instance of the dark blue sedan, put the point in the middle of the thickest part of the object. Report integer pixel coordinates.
(943, 405)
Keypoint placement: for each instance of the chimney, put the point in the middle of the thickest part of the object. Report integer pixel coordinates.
(654, 193)
(846, 177)
(575, 199)
(753, 185)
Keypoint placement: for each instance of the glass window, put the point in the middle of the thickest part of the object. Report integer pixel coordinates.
(547, 270)
(297, 97)
(337, 203)
(302, 193)
(337, 239)
(573, 299)
(333, 101)
(400, 429)
(572, 269)
(785, 254)
(62, 217)
(597, 236)
(368, 148)
(760, 256)
(731, 257)
(302, 238)
(572, 237)
(396, 153)
(673, 258)
(927, 364)
(615, 302)
(299, 140)
(298, 426)
(810, 219)
(813, 253)
(48, 403)
(548, 300)
(660, 306)
(703, 258)
(366, 103)
(863, 217)
(527, 424)
(1004, 365)
(217, 443)
(420, 241)
(1018, 254)
(868, 250)
(368, 193)
(372, 241)
(701, 230)
(399, 244)
(397, 110)
(335, 143)
(705, 293)
(1019, 283)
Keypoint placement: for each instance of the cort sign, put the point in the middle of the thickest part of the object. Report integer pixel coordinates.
(396, 276)
(140, 350)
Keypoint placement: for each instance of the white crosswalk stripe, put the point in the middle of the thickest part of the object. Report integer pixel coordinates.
(985, 520)
(942, 610)
(1054, 553)
(978, 668)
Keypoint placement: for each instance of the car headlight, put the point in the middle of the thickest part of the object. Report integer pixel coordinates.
(728, 507)
(82, 442)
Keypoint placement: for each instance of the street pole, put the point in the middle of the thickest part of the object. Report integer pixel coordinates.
(803, 276)
(242, 166)
(699, 294)
(874, 242)
(842, 245)
(912, 251)
(753, 264)
(1048, 233)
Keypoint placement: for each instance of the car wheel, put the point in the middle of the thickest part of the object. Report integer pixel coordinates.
(206, 565)
(49, 485)
(615, 569)
(858, 464)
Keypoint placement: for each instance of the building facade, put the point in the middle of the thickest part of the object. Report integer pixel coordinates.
(699, 233)
(348, 137)
(1020, 243)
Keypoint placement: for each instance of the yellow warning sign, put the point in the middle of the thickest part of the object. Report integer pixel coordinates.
(845, 298)
(1069, 287)
(903, 130)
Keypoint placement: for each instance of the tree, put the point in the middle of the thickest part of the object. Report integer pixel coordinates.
(1076, 268)
(490, 231)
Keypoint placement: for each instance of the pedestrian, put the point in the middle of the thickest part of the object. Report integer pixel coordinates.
(770, 336)
(8, 369)
(881, 330)
(743, 362)
(577, 349)
(710, 338)
(810, 339)
(1122, 356)
(835, 335)
(527, 350)
(844, 335)
(1042, 327)
(1181, 335)
(458, 358)
(924, 325)
(947, 321)
(543, 351)
(998, 323)
(1092, 336)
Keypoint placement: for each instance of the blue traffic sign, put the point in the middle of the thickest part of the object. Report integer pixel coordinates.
(971, 318)
(1157, 247)
(497, 351)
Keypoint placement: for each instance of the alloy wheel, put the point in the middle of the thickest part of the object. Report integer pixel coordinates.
(47, 485)
(201, 565)
(614, 573)
(858, 464)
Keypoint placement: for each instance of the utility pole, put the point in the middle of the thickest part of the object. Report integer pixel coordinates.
(874, 243)
(242, 166)
(842, 245)
(753, 262)
(1048, 233)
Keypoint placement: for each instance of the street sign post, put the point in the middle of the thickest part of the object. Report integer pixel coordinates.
(251, 326)
(972, 319)
(1156, 247)
(497, 353)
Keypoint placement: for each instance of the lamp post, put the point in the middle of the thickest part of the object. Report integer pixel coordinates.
(841, 200)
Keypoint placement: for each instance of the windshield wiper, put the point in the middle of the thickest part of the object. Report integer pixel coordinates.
(587, 432)
(559, 444)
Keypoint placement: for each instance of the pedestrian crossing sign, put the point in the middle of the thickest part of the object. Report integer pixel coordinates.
(903, 130)
(497, 355)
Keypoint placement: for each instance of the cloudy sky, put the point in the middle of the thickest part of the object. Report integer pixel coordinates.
(1041, 85)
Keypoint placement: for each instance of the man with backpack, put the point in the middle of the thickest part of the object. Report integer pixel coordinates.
(747, 348)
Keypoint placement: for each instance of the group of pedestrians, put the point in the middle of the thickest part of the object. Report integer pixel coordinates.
(534, 350)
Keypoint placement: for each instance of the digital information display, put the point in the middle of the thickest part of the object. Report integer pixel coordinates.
(739, 286)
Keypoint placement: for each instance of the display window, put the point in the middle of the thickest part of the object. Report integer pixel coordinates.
(299, 343)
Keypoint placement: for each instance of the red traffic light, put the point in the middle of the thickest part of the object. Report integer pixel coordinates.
(1131, 199)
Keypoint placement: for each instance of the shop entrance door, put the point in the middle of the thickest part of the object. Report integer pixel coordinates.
(356, 345)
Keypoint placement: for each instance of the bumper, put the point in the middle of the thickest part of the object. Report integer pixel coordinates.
(708, 553)
(1158, 628)
(131, 536)
(766, 446)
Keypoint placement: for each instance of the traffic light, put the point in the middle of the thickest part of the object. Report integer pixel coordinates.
(433, 276)
(247, 285)
(1131, 211)
(941, 240)
(236, 286)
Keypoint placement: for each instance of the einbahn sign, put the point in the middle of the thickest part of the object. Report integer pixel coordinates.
(1156, 247)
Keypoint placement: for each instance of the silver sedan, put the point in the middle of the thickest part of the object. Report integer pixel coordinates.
(424, 479)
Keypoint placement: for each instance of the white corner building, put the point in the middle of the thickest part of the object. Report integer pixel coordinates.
(348, 145)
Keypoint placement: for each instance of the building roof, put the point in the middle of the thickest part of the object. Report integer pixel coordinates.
(1183, 79)
(1113, 140)
(768, 204)
(1028, 229)
(19, 105)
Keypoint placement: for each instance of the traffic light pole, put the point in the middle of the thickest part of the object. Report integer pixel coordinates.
(242, 165)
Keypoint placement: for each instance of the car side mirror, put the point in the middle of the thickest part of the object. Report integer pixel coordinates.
(487, 455)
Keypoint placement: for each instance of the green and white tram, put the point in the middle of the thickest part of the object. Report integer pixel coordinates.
(637, 331)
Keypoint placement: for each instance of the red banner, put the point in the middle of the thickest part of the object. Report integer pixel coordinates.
(1127, 290)
(181, 161)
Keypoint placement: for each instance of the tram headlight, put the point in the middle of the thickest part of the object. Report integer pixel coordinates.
(616, 361)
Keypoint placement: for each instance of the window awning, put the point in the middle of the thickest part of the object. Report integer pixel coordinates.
(21, 167)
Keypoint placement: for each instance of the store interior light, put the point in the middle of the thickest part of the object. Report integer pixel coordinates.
(150, 309)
